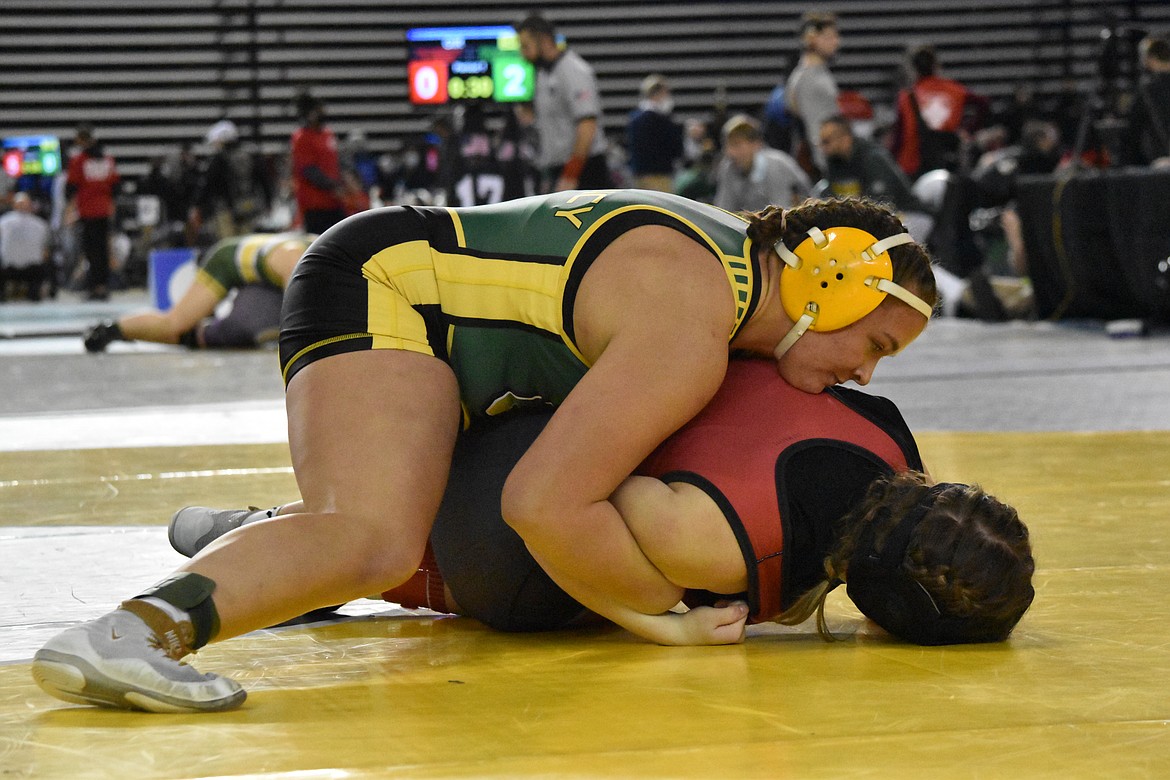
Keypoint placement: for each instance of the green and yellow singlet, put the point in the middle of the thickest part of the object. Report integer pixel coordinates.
(490, 289)
(234, 262)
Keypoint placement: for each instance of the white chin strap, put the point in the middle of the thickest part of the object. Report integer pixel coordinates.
(797, 330)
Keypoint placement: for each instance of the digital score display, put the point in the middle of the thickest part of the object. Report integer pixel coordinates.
(454, 64)
(31, 155)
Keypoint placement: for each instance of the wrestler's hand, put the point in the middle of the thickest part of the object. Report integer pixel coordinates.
(723, 624)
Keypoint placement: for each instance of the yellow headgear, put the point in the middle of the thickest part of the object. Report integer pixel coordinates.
(837, 276)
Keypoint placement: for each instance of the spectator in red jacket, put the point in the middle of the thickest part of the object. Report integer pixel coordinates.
(316, 168)
(90, 181)
(934, 117)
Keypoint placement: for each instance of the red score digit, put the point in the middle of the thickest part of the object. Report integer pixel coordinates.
(14, 163)
(428, 81)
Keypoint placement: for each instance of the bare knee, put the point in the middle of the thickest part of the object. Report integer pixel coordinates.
(386, 560)
(361, 548)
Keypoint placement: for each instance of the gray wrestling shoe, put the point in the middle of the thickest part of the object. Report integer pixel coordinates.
(130, 659)
(194, 527)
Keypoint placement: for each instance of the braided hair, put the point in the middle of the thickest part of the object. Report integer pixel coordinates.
(971, 553)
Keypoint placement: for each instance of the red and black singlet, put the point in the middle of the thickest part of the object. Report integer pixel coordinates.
(784, 465)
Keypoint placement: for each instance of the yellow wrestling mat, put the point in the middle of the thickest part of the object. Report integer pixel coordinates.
(1079, 691)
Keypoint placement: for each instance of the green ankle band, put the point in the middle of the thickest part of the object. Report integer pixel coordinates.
(191, 593)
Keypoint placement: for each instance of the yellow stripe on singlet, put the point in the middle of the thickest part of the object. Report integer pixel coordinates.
(457, 223)
(478, 287)
(246, 258)
(211, 283)
(397, 277)
(467, 287)
(482, 288)
(504, 290)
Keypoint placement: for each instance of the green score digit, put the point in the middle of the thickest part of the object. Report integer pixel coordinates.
(514, 79)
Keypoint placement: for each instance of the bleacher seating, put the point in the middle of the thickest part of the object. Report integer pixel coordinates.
(149, 74)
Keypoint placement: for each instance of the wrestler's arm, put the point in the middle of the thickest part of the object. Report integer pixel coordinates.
(683, 533)
(656, 337)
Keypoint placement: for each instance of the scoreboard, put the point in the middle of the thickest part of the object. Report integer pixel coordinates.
(456, 64)
(31, 155)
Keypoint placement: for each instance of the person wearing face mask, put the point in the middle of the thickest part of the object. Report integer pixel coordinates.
(751, 175)
(619, 309)
(654, 139)
(568, 111)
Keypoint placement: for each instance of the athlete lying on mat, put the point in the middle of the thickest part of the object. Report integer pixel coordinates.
(741, 503)
(258, 266)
